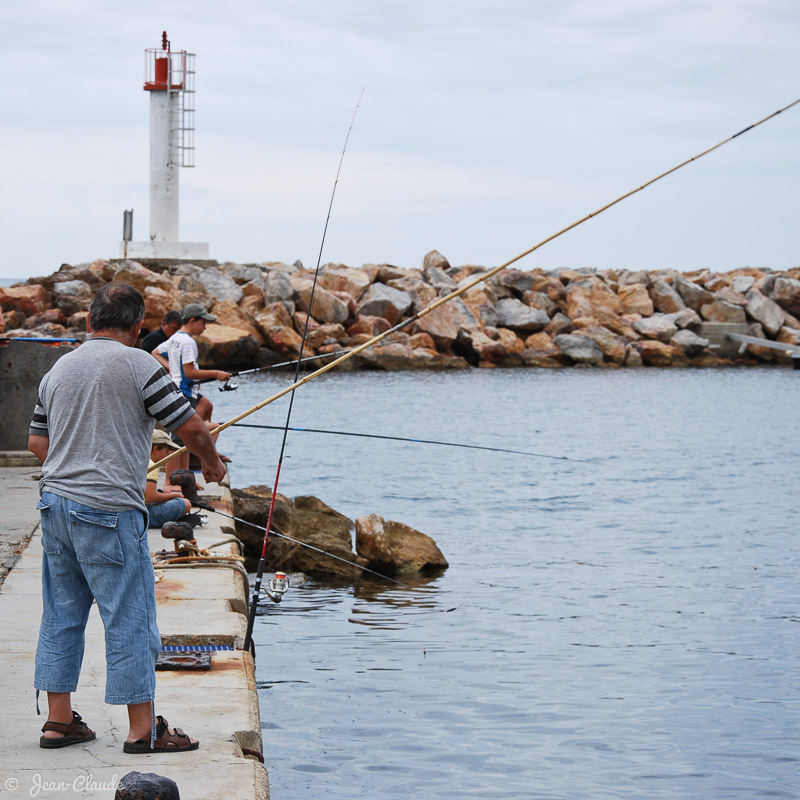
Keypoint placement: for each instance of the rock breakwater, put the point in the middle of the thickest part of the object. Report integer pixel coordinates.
(536, 318)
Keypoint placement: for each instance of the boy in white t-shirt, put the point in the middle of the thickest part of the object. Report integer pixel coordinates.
(179, 355)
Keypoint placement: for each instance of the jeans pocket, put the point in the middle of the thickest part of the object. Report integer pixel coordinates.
(95, 538)
(50, 543)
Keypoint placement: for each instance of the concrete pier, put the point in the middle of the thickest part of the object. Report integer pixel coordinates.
(197, 605)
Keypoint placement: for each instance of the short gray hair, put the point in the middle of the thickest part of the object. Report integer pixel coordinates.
(117, 306)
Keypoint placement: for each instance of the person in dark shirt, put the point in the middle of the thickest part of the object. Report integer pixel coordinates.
(170, 324)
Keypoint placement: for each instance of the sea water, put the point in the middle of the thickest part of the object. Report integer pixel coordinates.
(620, 614)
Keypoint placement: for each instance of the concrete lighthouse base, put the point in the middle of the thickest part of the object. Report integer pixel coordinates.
(156, 249)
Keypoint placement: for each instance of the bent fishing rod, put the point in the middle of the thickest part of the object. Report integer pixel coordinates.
(262, 560)
(478, 280)
(415, 441)
(226, 387)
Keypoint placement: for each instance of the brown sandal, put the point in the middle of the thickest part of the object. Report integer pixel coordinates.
(166, 741)
(74, 732)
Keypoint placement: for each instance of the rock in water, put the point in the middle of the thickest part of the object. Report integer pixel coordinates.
(308, 520)
(394, 548)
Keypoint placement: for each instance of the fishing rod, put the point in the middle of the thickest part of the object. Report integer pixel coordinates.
(307, 545)
(417, 441)
(226, 387)
(476, 281)
(262, 560)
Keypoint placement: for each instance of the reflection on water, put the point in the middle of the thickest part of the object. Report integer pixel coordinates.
(625, 628)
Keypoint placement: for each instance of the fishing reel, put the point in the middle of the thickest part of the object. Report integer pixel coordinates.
(228, 387)
(278, 585)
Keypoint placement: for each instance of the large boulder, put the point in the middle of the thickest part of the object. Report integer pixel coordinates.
(592, 297)
(272, 315)
(514, 314)
(689, 342)
(372, 326)
(730, 295)
(579, 349)
(481, 302)
(306, 520)
(684, 318)
(242, 273)
(28, 300)
(134, 274)
(723, 311)
(434, 259)
(74, 288)
(230, 314)
(765, 311)
(285, 341)
(694, 295)
(541, 301)
(635, 299)
(659, 326)
(613, 346)
(393, 548)
(326, 306)
(277, 287)
(657, 354)
(380, 300)
(664, 297)
(344, 279)
(331, 333)
(560, 323)
(219, 285)
(499, 346)
(391, 356)
(786, 293)
(421, 294)
(439, 280)
(223, 347)
(515, 279)
(743, 283)
(157, 303)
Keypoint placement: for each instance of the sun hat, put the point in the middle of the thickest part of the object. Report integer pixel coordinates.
(161, 438)
(195, 310)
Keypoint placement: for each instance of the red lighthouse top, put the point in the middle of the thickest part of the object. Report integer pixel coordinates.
(164, 69)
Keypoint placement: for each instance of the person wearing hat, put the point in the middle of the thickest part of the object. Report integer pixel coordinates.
(168, 505)
(179, 356)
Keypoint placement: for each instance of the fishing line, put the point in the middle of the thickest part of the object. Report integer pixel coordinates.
(416, 441)
(309, 546)
(477, 280)
(261, 561)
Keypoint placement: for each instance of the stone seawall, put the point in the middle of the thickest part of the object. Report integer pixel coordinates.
(535, 318)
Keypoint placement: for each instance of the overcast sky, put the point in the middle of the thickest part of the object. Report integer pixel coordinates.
(485, 126)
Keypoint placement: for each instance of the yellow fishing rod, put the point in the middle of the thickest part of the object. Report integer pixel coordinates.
(476, 281)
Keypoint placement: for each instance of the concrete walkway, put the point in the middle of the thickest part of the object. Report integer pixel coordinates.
(218, 706)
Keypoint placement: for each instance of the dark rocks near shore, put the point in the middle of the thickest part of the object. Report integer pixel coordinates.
(517, 318)
(390, 548)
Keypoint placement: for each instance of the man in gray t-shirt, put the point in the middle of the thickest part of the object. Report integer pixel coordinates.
(91, 428)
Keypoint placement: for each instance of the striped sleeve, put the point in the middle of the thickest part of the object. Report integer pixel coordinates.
(38, 426)
(164, 402)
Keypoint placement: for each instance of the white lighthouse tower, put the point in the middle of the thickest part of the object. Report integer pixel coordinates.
(169, 78)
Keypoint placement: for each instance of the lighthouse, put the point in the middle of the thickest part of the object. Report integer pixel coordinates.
(169, 81)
